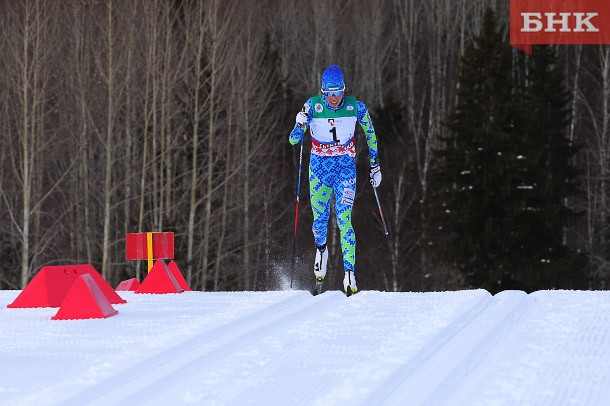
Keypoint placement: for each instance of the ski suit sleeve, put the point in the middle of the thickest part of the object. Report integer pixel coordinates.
(371, 138)
(298, 132)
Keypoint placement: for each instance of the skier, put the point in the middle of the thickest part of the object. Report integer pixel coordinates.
(332, 118)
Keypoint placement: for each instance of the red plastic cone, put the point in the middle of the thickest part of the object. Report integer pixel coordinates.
(85, 301)
(52, 283)
(159, 280)
(173, 267)
(129, 284)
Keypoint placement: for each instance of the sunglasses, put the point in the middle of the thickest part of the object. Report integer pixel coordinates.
(333, 93)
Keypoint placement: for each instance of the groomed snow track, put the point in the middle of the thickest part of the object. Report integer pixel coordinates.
(280, 348)
(429, 376)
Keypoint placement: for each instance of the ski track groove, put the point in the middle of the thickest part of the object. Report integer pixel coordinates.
(183, 350)
(202, 352)
(404, 380)
(473, 344)
(577, 375)
(325, 387)
(161, 394)
(267, 383)
(275, 375)
(272, 384)
(272, 372)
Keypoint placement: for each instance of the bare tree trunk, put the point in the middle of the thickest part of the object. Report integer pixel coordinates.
(573, 122)
(224, 215)
(216, 34)
(27, 155)
(151, 31)
(397, 228)
(604, 152)
(79, 66)
(166, 129)
(197, 30)
(32, 87)
(129, 121)
(246, 184)
(108, 144)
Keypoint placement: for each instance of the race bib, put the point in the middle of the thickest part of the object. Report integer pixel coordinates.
(338, 130)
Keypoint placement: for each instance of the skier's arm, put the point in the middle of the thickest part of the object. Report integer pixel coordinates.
(371, 140)
(303, 119)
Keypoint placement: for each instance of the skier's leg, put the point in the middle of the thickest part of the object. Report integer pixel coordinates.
(345, 192)
(320, 191)
(348, 235)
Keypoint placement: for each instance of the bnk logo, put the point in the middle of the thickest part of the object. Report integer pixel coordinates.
(562, 22)
(559, 22)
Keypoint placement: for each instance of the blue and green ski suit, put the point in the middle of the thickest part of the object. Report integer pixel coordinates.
(332, 166)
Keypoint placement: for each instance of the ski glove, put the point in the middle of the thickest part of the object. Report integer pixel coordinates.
(375, 176)
(301, 119)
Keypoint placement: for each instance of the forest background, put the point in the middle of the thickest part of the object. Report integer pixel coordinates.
(159, 115)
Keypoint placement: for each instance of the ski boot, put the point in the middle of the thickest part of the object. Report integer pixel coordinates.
(319, 268)
(349, 283)
(318, 288)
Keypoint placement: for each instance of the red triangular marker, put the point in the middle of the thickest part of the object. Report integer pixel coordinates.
(52, 283)
(129, 284)
(173, 267)
(85, 301)
(160, 280)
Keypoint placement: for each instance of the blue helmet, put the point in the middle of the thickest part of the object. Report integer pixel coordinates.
(332, 79)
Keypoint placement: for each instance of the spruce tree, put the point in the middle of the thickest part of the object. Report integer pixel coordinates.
(503, 171)
(552, 177)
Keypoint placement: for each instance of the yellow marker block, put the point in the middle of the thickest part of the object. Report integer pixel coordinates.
(149, 250)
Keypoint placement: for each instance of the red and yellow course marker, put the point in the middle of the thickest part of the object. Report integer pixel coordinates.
(149, 246)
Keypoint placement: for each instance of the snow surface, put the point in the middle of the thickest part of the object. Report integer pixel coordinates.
(289, 348)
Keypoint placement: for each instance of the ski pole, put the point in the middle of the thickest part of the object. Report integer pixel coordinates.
(385, 228)
(296, 214)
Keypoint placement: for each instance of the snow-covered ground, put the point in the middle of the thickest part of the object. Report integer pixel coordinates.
(289, 348)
